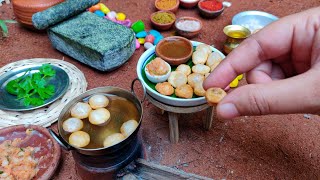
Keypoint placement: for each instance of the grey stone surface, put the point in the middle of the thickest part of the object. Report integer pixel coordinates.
(62, 11)
(92, 40)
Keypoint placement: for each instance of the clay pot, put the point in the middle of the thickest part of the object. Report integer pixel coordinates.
(173, 9)
(159, 26)
(40, 137)
(175, 50)
(24, 9)
(186, 33)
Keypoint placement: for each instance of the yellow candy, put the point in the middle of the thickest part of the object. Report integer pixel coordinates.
(141, 40)
(121, 16)
(234, 83)
(104, 8)
(240, 77)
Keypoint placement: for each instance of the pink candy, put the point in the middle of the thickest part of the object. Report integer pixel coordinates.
(150, 38)
(137, 44)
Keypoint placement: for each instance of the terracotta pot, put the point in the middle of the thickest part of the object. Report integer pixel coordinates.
(167, 50)
(40, 137)
(159, 26)
(24, 9)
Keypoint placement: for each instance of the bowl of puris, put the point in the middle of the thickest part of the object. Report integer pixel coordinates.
(183, 87)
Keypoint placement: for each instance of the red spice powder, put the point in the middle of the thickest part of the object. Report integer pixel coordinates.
(211, 5)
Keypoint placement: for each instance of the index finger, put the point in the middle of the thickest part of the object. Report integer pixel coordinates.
(272, 41)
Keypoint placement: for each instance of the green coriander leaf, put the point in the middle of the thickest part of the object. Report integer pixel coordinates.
(12, 87)
(36, 101)
(1, 172)
(47, 70)
(36, 76)
(26, 84)
(4, 28)
(42, 93)
(41, 83)
(50, 89)
(27, 101)
(10, 21)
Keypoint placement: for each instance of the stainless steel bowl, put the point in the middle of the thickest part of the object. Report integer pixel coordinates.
(131, 96)
(253, 20)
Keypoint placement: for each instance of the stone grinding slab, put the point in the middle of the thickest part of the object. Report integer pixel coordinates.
(51, 16)
(92, 40)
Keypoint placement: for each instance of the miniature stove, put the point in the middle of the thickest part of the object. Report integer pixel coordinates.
(106, 166)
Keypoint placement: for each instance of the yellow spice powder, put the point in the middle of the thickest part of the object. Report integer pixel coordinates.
(166, 4)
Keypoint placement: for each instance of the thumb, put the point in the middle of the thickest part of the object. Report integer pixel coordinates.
(299, 94)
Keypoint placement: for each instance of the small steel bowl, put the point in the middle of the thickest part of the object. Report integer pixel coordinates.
(253, 20)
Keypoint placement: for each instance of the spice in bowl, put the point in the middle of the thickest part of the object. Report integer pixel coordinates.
(188, 25)
(170, 5)
(163, 18)
(211, 5)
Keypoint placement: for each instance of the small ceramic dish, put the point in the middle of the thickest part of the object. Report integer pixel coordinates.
(209, 14)
(185, 30)
(174, 49)
(46, 149)
(173, 9)
(188, 3)
(162, 26)
(158, 78)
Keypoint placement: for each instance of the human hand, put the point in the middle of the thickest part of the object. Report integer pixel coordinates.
(282, 68)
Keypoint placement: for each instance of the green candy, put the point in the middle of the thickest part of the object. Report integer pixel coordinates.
(138, 26)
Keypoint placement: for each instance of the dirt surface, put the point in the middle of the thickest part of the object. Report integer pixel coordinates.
(263, 147)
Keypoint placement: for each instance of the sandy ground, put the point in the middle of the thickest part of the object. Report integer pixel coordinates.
(261, 147)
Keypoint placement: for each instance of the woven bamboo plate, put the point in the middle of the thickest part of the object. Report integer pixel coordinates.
(44, 116)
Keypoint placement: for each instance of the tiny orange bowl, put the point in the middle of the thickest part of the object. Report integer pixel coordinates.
(209, 14)
(175, 50)
(159, 26)
(173, 9)
(188, 3)
(185, 32)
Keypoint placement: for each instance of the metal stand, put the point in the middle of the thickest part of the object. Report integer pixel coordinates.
(174, 111)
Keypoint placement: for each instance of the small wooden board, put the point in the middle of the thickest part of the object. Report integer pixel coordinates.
(148, 170)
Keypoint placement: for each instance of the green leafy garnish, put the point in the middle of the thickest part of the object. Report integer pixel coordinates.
(33, 89)
(1, 172)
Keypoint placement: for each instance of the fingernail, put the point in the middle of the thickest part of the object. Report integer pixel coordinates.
(228, 111)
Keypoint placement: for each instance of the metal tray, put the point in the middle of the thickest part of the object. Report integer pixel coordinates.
(10, 102)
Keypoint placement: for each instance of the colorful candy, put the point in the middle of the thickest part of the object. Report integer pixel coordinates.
(104, 8)
(240, 77)
(141, 40)
(148, 45)
(157, 39)
(138, 26)
(99, 13)
(141, 34)
(150, 38)
(120, 16)
(234, 83)
(155, 33)
(94, 8)
(137, 44)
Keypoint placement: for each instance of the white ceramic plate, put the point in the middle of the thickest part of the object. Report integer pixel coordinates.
(174, 101)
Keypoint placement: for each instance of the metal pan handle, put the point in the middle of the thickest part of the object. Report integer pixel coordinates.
(60, 140)
(143, 87)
